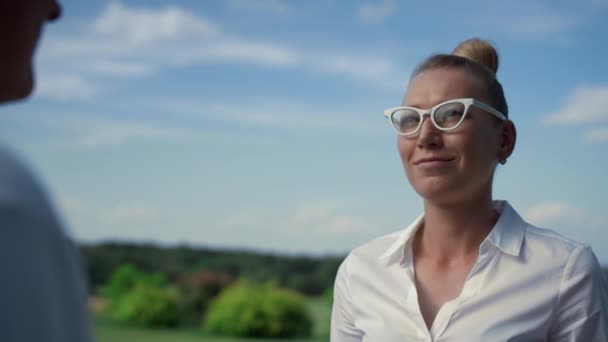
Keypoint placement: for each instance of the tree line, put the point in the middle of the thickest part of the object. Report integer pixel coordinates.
(305, 274)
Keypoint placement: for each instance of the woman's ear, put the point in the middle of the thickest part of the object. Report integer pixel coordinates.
(507, 141)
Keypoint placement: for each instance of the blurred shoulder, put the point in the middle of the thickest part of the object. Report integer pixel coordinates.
(19, 188)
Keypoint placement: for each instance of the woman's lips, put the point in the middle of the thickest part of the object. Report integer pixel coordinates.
(433, 161)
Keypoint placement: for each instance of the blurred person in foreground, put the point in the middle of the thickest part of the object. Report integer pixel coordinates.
(42, 291)
(469, 268)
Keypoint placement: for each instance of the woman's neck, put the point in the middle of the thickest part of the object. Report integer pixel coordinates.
(452, 231)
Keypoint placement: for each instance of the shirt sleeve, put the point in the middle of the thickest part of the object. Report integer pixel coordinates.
(343, 328)
(43, 292)
(582, 307)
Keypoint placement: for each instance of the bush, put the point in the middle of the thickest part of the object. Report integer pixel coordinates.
(147, 305)
(140, 298)
(328, 295)
(197, 290)
(245, 310)
(308, 284)
(126, 278)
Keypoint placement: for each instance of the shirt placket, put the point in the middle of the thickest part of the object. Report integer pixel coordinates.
(443, 317)
(469, 289)
(411, 300)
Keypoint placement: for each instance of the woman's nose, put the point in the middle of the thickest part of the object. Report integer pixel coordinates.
(55, 12)
(429, 136)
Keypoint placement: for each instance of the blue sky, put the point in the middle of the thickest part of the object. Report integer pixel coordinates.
(259, 124)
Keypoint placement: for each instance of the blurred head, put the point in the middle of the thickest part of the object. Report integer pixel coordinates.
(21, 22)
(457, 165)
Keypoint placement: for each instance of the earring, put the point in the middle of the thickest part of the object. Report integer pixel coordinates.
(502, 161)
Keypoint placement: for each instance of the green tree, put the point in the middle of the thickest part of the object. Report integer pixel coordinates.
(309, 275)
(147, 305)
(246, 310)
(328, 295)
(126, 278)
(197, 290)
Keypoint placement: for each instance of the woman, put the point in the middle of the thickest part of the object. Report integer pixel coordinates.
(43, 293)
(469, 268)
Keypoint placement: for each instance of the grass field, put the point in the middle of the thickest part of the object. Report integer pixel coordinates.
(108, 331)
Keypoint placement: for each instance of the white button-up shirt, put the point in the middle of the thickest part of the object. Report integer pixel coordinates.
(528, 284)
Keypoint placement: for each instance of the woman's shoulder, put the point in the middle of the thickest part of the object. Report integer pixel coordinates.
(19, 188)
(373, 250)
(549, 246)
(538, 237)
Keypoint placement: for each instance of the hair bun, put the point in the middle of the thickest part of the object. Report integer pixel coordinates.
(480, 51)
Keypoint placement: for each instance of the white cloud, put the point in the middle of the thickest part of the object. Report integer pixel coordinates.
(65, 87)
(126, 42)
(242, 51)
(588, 104)
(86, 45)
(272, 112)
(245, 218)
(91, 222)
(178, 119)
(132, 213)
(381, 70)
(129, 213)
(275, 6)
(376, 11)
(71, 206)
(326, 217)
(140, 26)
(118, 69)
(85, 131)
(100, 133)
(573, 222)
(542, 26)
(123, 59)
(525, 19)
(597, 135)
(549, 213)
(291, 116)
(313, 227)
(315, 212)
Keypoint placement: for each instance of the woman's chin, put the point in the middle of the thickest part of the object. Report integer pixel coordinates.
(437, 190)
(17, 89)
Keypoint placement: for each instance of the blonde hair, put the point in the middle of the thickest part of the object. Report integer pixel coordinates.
(477, 57)
(480, 51)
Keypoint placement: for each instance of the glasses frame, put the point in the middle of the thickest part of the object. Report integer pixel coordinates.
(467, 102)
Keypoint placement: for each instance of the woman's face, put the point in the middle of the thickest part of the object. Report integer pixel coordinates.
(448, 167)
(20, 25)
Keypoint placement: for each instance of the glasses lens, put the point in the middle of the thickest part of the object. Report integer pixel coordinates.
(449, 115)
(405, 120)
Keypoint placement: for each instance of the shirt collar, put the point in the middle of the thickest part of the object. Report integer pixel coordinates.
(396, 251)
(507, 234)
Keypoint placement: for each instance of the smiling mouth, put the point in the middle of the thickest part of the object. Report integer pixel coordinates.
(434, 160)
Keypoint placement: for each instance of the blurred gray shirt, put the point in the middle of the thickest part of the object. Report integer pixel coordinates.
(42, 290)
